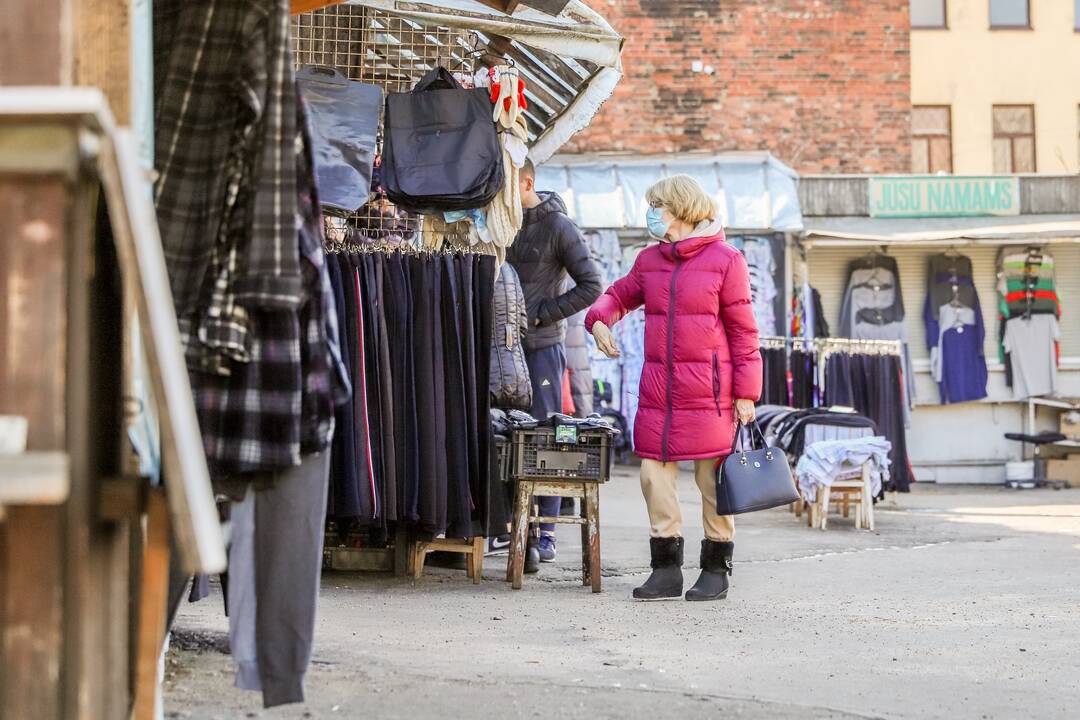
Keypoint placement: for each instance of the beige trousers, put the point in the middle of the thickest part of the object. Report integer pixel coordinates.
(660, 487)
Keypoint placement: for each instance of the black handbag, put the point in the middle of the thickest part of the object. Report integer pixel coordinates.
(753, 479)
(441, 150)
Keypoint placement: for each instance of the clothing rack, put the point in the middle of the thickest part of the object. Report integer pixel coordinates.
(832, 345)
(866, 347)
(404, 249)
(810, 384)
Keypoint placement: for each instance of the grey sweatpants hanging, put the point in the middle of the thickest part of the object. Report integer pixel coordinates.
(275, 562)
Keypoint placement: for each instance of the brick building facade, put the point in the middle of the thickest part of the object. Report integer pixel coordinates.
(822, 84)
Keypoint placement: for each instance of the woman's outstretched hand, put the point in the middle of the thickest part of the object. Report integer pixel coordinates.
(605, 340)
(746, 411)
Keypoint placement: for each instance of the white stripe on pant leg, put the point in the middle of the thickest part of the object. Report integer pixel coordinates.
(242, 594)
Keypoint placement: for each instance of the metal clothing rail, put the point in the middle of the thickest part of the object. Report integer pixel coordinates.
(867, 347)
(833, 345)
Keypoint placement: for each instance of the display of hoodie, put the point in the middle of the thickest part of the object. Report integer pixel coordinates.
(607, 254)
(873, 309)
(954, 329)
(807, 314)
(1026, 282)
(1027, 288)
(759, 259)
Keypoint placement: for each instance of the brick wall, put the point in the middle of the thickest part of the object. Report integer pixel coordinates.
(823, 84)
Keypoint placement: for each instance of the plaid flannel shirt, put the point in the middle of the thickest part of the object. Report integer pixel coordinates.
(267, 412)
(224, 71)
(250, 419)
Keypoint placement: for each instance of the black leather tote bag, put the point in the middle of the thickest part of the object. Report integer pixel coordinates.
(441, 150)
(753, 479)
(344, 124)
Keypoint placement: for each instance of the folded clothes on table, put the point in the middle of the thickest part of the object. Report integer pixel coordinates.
(825, 461)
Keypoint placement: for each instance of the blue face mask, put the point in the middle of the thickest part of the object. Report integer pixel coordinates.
(654, 220)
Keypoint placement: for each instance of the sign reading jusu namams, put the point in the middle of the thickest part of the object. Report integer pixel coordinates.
(907, 196)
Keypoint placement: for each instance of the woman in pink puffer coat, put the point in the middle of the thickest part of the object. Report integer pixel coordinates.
(702, 372)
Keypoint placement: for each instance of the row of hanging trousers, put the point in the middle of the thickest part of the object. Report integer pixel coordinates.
(789, 379)
(415, 444)
(774, 387)
(873, 386)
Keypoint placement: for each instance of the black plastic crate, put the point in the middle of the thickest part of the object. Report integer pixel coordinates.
(538, 457)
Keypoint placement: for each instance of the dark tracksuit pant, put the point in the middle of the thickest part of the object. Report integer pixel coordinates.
(546, 369)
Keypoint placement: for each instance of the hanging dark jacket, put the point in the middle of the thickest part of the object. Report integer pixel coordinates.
(510, 385)
(547, 248)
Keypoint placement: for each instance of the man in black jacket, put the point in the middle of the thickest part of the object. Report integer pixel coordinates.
(548, 248)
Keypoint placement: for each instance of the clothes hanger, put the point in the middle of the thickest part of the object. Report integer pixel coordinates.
(475, 52)
(955, 302)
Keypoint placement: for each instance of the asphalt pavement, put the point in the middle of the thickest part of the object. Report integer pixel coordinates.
(963, 603)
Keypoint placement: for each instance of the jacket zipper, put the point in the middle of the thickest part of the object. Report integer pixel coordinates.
(716, 382)
(670, 358)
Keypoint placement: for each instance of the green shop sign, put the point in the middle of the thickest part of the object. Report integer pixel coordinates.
(911, 196)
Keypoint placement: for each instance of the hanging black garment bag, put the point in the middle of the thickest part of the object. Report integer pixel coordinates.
(753, 479)
(344, 122)
(440, 147)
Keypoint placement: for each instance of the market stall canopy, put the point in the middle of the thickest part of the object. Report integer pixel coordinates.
(843, 231)
(569, 60)
(508, 6)
(754, 190)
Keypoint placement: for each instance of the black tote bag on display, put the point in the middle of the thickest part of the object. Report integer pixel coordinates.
(344, 124)
(753, 479)
(441, 150)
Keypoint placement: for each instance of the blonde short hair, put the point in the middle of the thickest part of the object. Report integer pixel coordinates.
(683, 197)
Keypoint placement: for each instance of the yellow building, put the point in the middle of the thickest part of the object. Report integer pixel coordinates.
(995, 86)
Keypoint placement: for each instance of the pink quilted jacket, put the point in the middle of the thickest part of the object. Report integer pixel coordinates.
(701, 345)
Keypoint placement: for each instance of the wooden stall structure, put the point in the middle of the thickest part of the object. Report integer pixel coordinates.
(85, 541)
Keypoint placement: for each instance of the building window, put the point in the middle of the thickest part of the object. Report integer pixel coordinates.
(1014, 138)
(929, 13)
(931, 139)
(1009, 14)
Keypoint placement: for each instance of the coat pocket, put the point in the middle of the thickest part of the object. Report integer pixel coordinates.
(716, 382)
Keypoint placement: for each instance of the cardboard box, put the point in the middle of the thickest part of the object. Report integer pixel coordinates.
(1070, 425)
(1067, 469)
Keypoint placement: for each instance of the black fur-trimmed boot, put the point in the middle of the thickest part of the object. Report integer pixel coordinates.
(666, 582)
(716, 565)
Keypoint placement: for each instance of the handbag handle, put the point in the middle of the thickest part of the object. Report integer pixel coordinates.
(755, 434)
(322, 73)
(438, 79)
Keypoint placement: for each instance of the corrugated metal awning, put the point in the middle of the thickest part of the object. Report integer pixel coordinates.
(569, 62)
(839, 231)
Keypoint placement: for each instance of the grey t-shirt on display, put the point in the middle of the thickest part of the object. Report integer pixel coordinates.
(1030, 344)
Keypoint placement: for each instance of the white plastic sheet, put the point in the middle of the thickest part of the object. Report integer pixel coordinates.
(754, 191)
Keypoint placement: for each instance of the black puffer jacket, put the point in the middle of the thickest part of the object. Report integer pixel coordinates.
(548, 247)
(510, 385)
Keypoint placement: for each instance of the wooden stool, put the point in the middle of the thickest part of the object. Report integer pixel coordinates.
(589, 492)
(853, 489)
(472, 548)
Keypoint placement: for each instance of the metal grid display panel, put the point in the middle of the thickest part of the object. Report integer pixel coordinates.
(394, 53)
